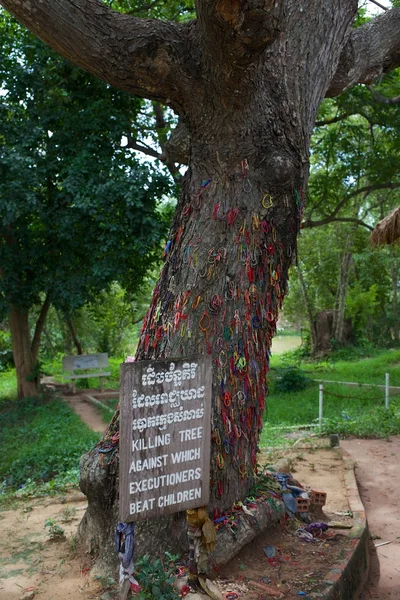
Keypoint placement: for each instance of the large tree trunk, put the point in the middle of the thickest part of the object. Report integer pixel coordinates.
(25, 351)
(340, 304)
(394, 271)
(74, 336)
(222, 285)
(25, 363)
(310, 311)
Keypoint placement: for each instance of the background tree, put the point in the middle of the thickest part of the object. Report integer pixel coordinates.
(110, 323)
(246, 79)
(353, 182)
(77, 210)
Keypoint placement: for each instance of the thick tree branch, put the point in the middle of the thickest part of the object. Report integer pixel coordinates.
(177, 146)
(332, 216)
(145, 57)
(371, 49)
(39, 328)
(367, 189)
(310, 224)
(164, 157)
(341, 117)
(168, 158)
(378, 4)
(381, 99)
(143, 148)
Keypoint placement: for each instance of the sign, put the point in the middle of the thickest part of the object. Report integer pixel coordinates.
(86, 362)
(165, 411)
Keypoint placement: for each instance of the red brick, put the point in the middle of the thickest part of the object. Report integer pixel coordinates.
(303, 504)
(318, 498)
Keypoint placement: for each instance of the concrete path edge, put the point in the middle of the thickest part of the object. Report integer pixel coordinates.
(345, 580)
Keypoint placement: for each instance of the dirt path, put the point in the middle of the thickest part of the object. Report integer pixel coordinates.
(86, 411)
(379, 485)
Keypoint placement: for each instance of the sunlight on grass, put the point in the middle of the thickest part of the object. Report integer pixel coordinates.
(8, 385)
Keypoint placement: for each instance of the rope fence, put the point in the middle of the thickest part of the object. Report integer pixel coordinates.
(322, 391)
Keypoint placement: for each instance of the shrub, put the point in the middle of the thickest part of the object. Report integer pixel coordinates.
(291, 379)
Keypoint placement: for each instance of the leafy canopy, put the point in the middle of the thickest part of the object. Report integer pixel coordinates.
(78, 211)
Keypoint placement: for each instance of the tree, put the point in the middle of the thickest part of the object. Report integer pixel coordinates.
(370, 298)
(77, 210)
(354, 177)
(246, 79)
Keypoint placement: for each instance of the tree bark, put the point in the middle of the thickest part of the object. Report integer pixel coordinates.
(310, 311)
(246, 79)
(25, 364)
(75, 338)
(394, 271)
(338, 326)
(341, 294)
(39, 328)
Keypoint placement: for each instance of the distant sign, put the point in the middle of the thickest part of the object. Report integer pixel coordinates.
(85, 362)
(164, 437)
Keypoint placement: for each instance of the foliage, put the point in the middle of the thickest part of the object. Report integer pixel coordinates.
(369, 423)
(55, 531)
(156, 577)
(291, 379)
(33, 489)
(353, 183)
(6, 357)
(173, 10)
(42, 439)
(369, 300)
(8, 385)
(77, 206)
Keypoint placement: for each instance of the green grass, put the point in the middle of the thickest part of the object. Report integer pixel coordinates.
(364, 370)
(44, 443)
(357, 365)
(41, 440)
(8, 385)
(104, 413)
(347, 410)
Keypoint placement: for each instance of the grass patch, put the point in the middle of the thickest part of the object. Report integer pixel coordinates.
(370, 423)
(358, 365)
(42, 442)
(347, 410)
(8, 385)
(105, 414)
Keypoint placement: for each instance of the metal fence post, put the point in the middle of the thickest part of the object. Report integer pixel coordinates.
(321, 404)
(387, 390)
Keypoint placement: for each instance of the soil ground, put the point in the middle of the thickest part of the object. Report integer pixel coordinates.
(31, 563)
(87, 412)
(379, 486)
(300, 566)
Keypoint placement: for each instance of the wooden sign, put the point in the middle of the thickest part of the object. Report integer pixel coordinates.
(164, 437)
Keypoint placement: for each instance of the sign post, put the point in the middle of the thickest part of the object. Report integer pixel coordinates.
(165, 430)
